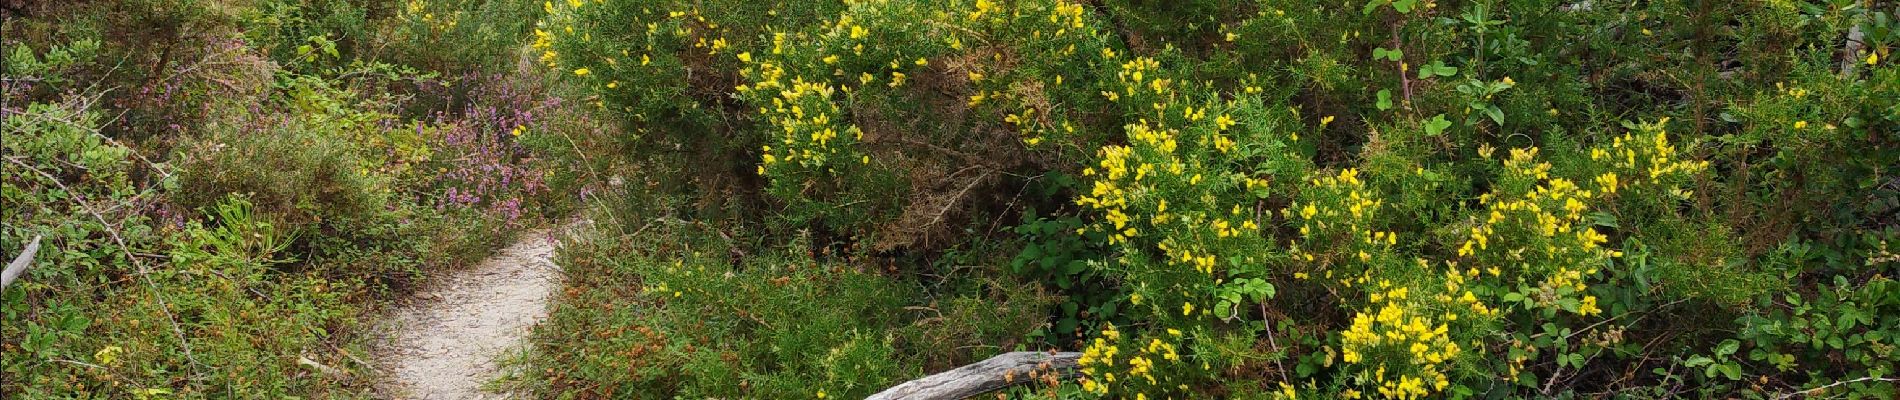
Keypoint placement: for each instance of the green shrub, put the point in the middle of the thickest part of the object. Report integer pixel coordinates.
(679, 312)
(99, 315)
(308, 36)
(457, 35)
(1388, 198)
(214, 224)
(334, 183)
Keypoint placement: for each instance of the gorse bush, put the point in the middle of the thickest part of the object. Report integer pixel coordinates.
(1203, 198)
(1381, 199)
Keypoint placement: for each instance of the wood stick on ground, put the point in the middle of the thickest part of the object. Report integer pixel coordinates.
(19, 264)
(983, 377)
(1850, 56)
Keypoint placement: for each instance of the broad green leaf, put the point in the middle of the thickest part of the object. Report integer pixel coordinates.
(1436, 125)
(1727, 347)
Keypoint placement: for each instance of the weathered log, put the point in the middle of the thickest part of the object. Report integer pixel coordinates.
(19, 264)
(1850, 56)
(985, 376)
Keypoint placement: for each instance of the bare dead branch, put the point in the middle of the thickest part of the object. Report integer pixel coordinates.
(984, 376)
(19, 264)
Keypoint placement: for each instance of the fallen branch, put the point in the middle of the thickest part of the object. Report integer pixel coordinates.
(332, 372)
(1816, 391)
(144, 272)
(1850, 54)
(19, 264)
(985, 376)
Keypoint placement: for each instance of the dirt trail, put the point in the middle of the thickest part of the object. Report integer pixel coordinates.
(444, 343)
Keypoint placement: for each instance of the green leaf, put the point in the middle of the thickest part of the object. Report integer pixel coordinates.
(1727, 347)
(1603, 219)
(1436, 125)
(1388, 55)
(1495, 114)
(1385, 99)
(1568, 304)
(1697, 361)
(1445, 70)
(1436, 68)
(1075, 267)
(1372, 5)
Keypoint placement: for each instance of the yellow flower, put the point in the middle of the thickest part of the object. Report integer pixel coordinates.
(1187, 308)
(581, 72)
(1589, 306)
(1873, 58)
(745, 57)
(1224, 122)
(1800, 124)
(821, 394)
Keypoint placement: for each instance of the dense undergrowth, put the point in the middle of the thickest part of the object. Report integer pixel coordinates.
(225, 191)
(820, 199)
(1241, 199)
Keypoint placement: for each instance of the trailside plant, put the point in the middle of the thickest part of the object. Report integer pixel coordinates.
(1393, 199)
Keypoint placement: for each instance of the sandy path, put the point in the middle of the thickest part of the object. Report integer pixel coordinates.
(444, 343)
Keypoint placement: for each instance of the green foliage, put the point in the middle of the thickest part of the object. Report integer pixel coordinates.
(456, 35)
(1053, 254)
(97, 315)
(58, 58)
(333, 183)
(1387, 198)
(215, 224)
(308, 36)
(678, 312)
